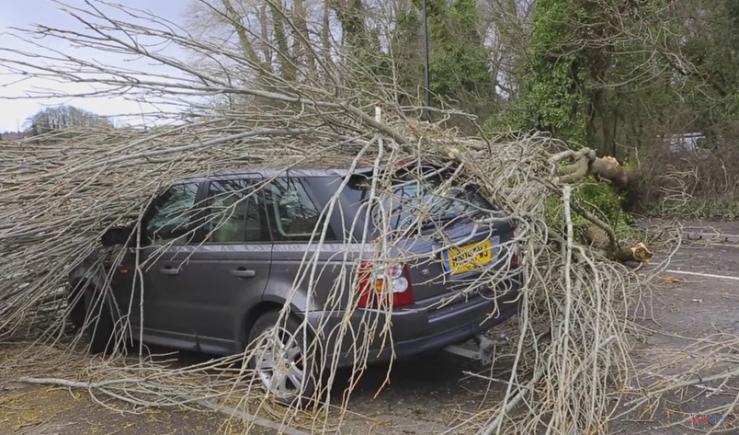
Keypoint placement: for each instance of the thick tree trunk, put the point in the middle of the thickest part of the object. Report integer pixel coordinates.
(599, 234)
(586, 162)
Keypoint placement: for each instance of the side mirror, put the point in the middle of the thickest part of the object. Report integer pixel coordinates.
(116, 236)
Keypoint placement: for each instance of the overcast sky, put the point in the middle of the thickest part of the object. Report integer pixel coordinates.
(26, 13)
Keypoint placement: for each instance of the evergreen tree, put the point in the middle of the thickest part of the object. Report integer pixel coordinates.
(459, 60)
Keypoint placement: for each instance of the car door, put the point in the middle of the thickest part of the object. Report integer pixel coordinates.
(229, 271)
(296, 223)
(170, 236)
(201, 274)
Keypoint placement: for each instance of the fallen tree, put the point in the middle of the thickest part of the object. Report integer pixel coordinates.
(61, 192)
(600, 234)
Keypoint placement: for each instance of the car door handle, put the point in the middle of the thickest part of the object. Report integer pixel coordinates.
(243, 272)
(169, 270)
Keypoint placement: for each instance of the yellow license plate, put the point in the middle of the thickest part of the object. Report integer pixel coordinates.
(469, 257)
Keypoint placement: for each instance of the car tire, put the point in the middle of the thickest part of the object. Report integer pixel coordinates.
(290, 378)
(76, 312)
(99, 331)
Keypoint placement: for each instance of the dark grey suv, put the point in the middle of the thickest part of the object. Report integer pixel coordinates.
(220, 256)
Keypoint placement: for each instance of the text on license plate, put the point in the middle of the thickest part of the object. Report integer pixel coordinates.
(461, 259)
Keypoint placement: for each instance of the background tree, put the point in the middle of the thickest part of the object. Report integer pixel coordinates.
(622, 78)
(461, 73)
(62, 118)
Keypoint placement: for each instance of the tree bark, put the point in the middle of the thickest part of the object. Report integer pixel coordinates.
(287, 64)
(244, 42)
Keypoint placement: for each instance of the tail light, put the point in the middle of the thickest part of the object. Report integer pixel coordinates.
(515, 261)
(376, 285)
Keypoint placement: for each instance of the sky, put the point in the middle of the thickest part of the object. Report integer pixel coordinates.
(26, 13)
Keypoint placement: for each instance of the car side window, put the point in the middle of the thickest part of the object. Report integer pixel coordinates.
(235, 213)
(292, 211)
(172, 216)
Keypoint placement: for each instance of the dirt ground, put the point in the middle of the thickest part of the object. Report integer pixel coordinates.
(431, 393)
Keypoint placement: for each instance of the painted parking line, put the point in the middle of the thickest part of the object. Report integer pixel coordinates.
(705, 275)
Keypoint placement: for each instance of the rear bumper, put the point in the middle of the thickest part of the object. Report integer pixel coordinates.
(410, 330)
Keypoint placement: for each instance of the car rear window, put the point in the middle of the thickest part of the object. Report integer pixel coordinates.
(432, 197)
(425, 197)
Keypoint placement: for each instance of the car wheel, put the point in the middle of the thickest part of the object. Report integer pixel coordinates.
(279, 361)
(99, 330)
(76, 311)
